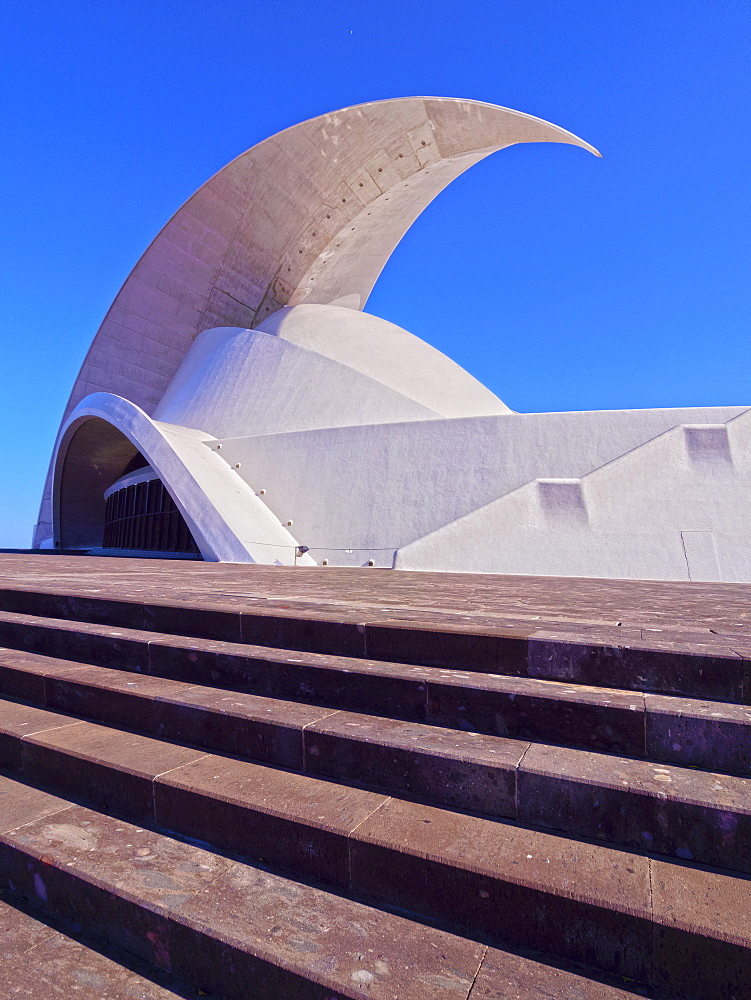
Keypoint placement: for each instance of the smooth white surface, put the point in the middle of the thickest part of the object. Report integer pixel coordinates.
(234, 382)
(385, 485)
(388, 354)
(676, 508)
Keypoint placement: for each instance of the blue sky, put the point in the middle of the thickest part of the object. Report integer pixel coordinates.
(560, 280)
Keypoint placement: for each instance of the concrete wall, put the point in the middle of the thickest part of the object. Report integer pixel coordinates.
(676, 508)
(385, 485)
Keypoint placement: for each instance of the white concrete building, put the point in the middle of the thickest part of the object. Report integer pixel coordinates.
(237, 403)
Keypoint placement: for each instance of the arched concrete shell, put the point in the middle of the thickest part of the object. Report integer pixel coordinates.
(227, 520)
(315, 366)
(310, 215)
(387, 353)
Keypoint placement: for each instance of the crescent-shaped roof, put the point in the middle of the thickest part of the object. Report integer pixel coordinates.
(309, 215)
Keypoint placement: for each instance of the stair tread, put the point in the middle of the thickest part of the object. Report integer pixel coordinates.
(39, 961)
(504, 976)
(233, 801)
(337, 942)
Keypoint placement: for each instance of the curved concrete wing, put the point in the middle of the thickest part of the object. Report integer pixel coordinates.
(309, 215)
(227, 520)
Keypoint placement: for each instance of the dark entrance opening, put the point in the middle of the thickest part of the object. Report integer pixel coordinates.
(143, 517)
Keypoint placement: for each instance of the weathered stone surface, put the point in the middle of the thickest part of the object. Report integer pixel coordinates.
(265, 729)
(229, 926)
(505, 976)
(466, 770)
(21, 804)
(702, 932)
(264, 927)
(81, 641)
(22, 674)
(702, 624)
(300, 632)
(112, 770)
(526, 709)
(19, 721)
(531, 889)
(698, 667)
(291, 820)
(103, 694)
(210, 662)
(399, 729)
(706, 734)
(41, 962)
(98, 872)
(475, 647)
(676, 811)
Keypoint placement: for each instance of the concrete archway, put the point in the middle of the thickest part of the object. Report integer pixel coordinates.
(227, 520)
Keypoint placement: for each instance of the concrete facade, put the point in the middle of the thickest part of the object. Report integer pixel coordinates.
(288, 425)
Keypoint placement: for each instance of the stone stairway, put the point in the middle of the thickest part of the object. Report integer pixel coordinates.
(262, 806)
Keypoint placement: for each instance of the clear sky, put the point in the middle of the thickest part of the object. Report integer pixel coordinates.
(560, 280)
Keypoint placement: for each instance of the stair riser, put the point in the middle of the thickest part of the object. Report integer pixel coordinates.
(678, 829)
(474, 786)
(719, 674)
(589, 725)
(696, 741)
(83, 647)
(179, 946)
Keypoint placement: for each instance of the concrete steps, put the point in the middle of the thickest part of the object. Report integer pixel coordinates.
(678, 811)
(670, 661)
(480, 832)
(688, 731)
(243, 930)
